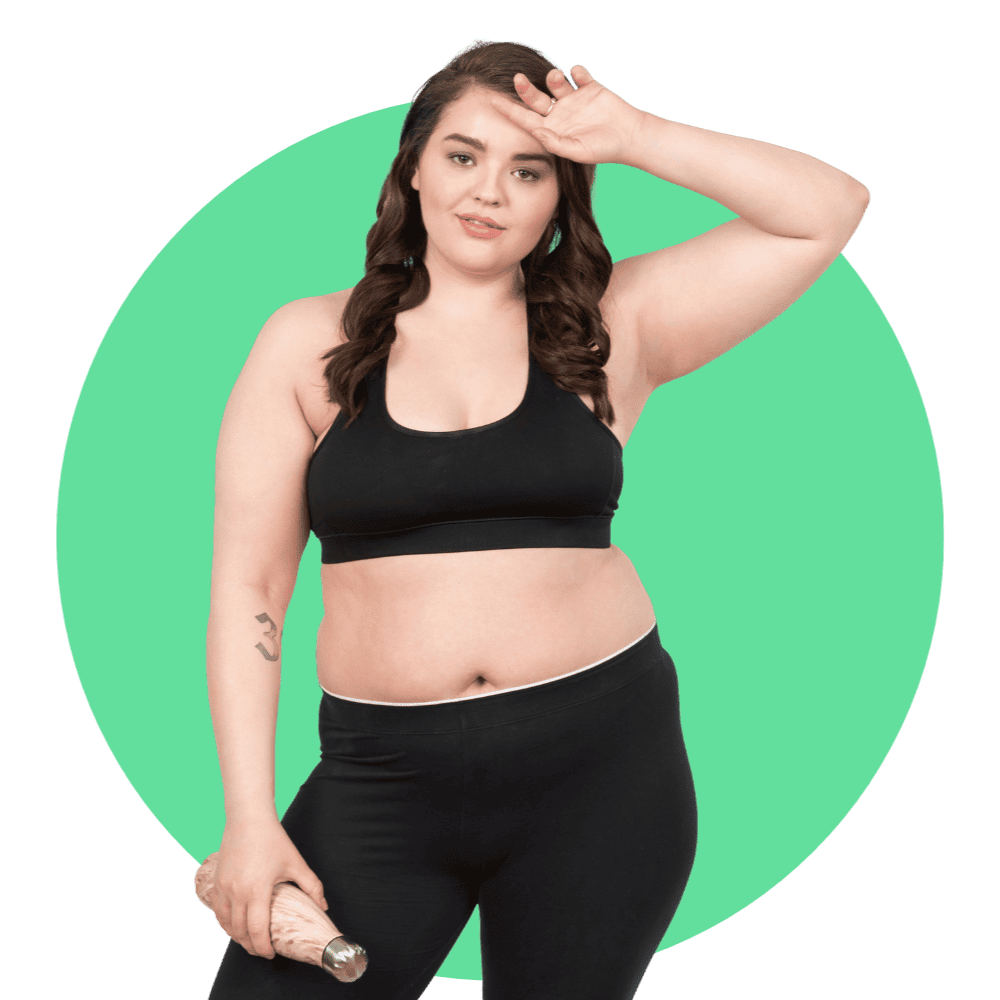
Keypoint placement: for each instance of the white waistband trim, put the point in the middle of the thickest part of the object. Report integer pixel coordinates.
(487, 694)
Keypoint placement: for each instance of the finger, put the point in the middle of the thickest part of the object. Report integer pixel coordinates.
(580, 76)
(517, 113)
(570, 149)
(532, 124)
(238, 927)
(558, 84)
(307, 881)
(259, 927)
(531, 95)
(224, 914)
(317, 895)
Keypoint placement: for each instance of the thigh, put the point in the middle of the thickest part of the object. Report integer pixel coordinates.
(579, 906)
(382, 856)
(406, 932)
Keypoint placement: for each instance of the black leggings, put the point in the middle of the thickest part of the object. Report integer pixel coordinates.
(565, 809)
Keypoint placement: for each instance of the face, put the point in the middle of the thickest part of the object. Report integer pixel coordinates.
(479, 163)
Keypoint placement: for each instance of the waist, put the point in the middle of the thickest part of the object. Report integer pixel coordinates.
(617, 655)
(434, 627)
(525, 701)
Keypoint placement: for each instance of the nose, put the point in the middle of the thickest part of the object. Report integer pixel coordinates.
(486, 187)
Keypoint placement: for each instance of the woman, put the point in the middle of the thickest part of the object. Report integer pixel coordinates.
(499, 722)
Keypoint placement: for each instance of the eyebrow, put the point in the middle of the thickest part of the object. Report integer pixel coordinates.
(518, 157)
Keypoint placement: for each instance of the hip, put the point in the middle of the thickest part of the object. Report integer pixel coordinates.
(558, 774)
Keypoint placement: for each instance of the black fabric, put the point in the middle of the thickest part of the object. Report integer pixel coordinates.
(566, 810)
(547, 475)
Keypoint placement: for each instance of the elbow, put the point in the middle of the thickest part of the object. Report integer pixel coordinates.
(855, 212)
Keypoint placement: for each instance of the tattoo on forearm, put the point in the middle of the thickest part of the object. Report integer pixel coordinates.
(271, 634)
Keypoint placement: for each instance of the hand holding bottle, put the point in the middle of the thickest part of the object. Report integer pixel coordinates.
(247, 883)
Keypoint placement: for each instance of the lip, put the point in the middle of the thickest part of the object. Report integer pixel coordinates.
(484, 219)
(479, 230)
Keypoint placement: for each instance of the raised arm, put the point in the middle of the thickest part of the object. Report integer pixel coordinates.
(689, 303)
(261, 527)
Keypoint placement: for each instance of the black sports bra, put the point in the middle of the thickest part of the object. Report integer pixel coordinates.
(548, 475)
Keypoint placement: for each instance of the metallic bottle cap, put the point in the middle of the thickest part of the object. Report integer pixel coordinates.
(345, 960)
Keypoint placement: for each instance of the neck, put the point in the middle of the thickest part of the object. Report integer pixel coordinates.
(460, 294)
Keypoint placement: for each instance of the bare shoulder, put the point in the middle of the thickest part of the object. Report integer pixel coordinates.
(301, 327)
(294, 340)
(265, 441)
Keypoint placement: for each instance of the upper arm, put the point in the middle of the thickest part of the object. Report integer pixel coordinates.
(691, 302)
(265, 443)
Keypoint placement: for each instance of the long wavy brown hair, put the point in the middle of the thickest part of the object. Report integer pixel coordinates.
(565, 275)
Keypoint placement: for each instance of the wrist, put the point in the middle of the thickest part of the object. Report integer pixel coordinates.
(647, 141)
(251, 817)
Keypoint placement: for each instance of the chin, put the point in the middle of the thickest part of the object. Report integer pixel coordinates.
(482, 255)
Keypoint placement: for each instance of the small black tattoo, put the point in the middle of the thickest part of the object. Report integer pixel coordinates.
(272, 634)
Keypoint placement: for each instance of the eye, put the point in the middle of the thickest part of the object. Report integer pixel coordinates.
(523, 173)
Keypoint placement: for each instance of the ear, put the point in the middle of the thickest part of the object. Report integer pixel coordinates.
(415, 180)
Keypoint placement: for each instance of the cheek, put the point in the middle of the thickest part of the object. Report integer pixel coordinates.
(435, 204)
(543, 214)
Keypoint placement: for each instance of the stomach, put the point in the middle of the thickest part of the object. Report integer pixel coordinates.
(442, 626)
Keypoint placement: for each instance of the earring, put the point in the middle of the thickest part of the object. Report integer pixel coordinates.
(556, 238)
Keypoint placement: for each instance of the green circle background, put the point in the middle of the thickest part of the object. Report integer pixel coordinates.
(781, 505)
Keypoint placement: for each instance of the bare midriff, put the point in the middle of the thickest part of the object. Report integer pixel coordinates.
(450, 625)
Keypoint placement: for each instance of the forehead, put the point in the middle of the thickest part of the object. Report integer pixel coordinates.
(473, 115)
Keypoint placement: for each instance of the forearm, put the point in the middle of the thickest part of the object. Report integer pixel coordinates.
(244, 679)
(777, 190)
